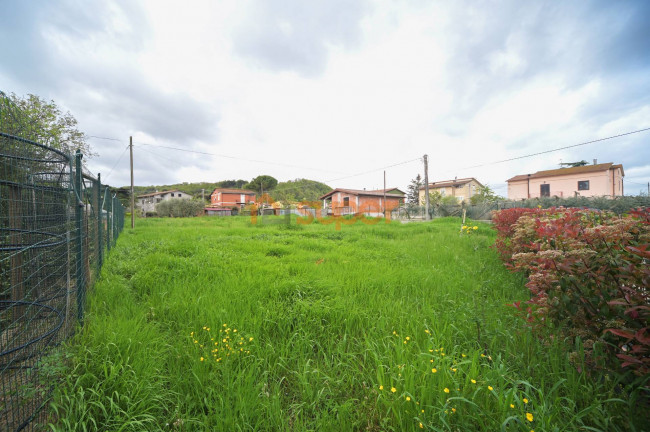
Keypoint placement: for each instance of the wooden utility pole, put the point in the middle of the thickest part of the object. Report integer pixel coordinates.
(132, 193)
(384, 194)
(203, 195)
(426, 187)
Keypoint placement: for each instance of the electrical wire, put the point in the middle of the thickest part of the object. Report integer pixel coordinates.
(118, 161)
(235, 157)
(552, 150)
(103, 138)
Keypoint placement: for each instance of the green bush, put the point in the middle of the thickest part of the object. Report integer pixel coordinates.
(180, 208)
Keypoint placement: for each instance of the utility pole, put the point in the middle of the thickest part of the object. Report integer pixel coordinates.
(384, 194)
(132, 194)
(203, 195)
(426, 187)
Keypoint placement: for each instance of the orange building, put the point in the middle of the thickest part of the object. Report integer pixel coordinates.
(350, 201)
(221, 197)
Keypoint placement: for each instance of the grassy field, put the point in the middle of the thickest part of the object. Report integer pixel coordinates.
(214, 324)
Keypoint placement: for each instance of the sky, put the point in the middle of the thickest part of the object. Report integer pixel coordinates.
(339, 91)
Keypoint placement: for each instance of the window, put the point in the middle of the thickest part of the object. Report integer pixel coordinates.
(346, 202)
(545, 190)
(142, 201)
(158, 200)
(172, 195)
(460, 198)
(583, 185)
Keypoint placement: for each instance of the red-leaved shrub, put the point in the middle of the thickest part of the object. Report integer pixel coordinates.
(588, 273)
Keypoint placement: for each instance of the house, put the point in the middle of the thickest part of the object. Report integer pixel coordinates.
(221, 197)
(349, 201)
(461, 189)
(604, 179)
(147, 203)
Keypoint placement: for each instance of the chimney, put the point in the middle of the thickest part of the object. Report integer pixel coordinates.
(595, 161)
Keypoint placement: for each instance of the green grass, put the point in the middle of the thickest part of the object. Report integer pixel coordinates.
(325, 319)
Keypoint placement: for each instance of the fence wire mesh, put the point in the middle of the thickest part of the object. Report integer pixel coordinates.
(55, 223)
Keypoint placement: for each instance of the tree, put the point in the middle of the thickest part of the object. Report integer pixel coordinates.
(235, 184)
(262, 183)
(299, 190)
(180, 207)
(39, 120)
(436, 198)
(484, 194)
(413, 191)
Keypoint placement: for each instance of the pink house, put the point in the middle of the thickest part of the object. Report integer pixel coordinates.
(604, 179)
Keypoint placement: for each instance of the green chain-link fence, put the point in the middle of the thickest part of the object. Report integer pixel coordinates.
(56, 223)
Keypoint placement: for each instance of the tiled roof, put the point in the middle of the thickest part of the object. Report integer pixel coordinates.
(566, 171)
(361, 192)
(447, 183)
(388, 191)
(159, 193)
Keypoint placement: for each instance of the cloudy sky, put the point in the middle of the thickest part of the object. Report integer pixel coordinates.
(335, 90)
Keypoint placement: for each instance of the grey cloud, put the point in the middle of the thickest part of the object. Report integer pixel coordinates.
(127, 103)
(575, 41)
(294, 35)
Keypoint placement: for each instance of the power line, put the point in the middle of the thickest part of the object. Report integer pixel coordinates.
(103, 138)
(375, 170)
(118, 161)
(554, 150)
(236, 157)
(628, 181)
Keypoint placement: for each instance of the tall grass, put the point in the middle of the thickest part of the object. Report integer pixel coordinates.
(216, 324)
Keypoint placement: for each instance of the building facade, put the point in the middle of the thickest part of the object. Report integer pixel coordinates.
(604, 179)
(462, 189)
(341, 202)
(147, 203)
(221, 197)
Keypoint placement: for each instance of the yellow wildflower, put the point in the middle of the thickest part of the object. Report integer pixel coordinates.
(512, 405)
(453, 410)
(475, 228)
(463, 355)
(250, 339)
(525, 400)
(446, 390)
(201, 358)
(393, 389)
(381, 387)
(434, 370)
(490, 388)
(529, 417)
(408, 338)
(421, 426)
(408, 398)
(473, 381)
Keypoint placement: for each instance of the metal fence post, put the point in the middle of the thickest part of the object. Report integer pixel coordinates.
(78, 187)
(100, 224)
(109, 222)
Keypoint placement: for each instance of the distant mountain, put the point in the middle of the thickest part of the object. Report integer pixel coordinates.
(290, 191)
(299, 190)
